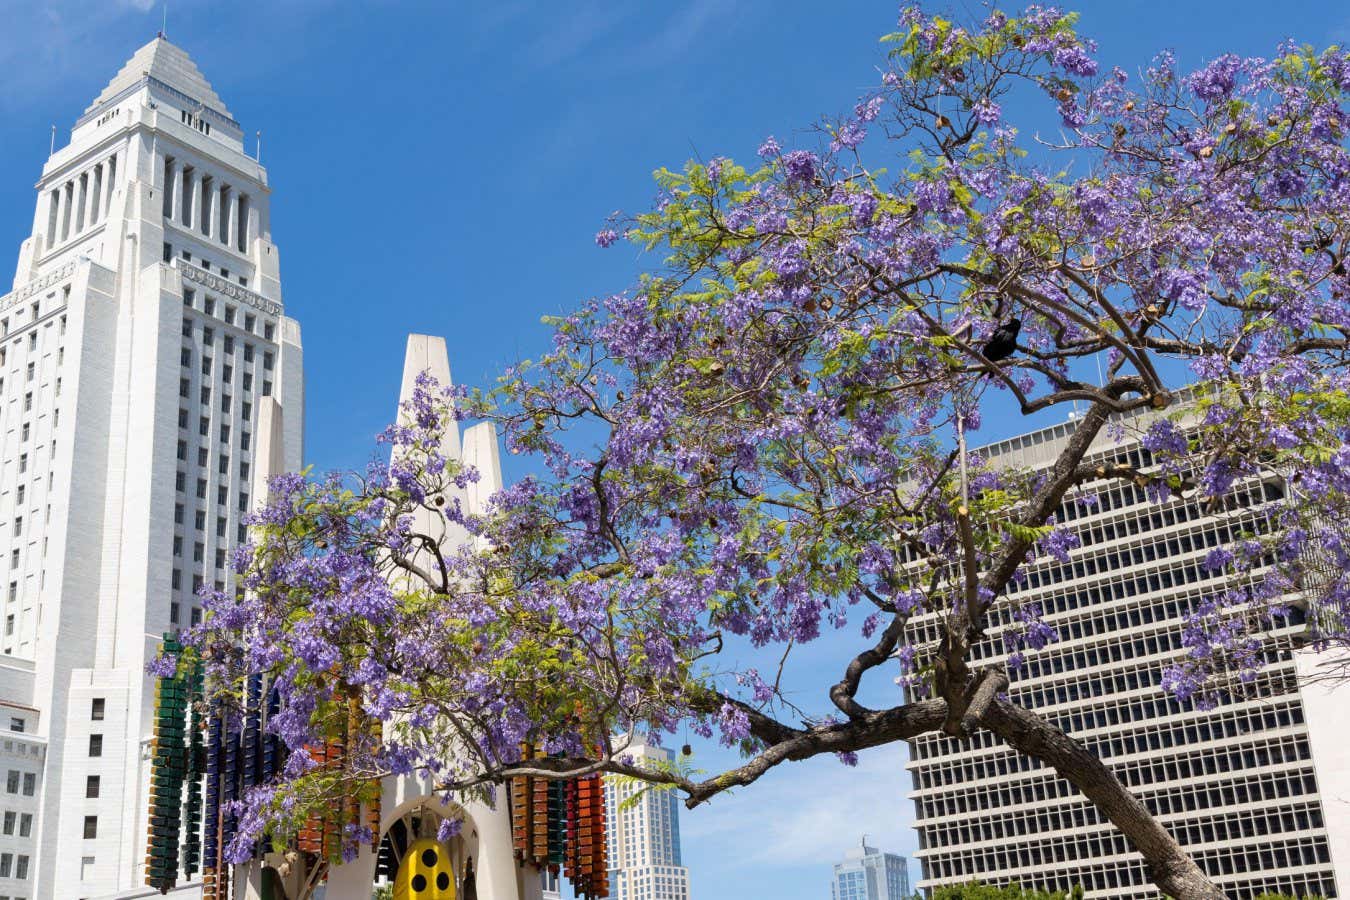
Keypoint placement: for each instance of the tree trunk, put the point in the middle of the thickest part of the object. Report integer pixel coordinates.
(1167, 864)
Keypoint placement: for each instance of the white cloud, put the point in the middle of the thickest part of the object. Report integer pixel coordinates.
(806, 814)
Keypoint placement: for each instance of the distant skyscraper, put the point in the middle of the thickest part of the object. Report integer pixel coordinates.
(869, 874)
(1255, 790)
(644, 840)
(143, 350)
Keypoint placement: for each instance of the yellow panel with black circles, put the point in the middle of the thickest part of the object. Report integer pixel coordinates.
(425, 873)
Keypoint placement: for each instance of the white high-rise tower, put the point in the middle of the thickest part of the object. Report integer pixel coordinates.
(144, 328)
(643, 835)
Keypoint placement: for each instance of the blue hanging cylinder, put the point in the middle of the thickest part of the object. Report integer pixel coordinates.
(211, 818)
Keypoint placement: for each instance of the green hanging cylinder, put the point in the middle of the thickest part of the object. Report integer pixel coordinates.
(168, 773)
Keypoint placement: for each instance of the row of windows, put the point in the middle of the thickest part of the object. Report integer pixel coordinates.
(1152, 739)
(229, 312)
(1023, 827)
(971, 863)
(978, 801)
(1124, 711)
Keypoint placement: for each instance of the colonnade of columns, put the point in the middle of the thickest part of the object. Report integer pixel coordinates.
(81, 202)
(206, 205)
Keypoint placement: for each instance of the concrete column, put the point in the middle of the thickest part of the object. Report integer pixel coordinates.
(194, 215)
(176, 191)
(245, 233)
(208, 211)
(230, 237)
(109, 176)
(96, 179)
(53, 219)
(82, 187)
(67, 192)
(218, 211)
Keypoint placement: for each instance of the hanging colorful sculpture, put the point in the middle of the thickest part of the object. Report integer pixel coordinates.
(562, 823)
(168, 773)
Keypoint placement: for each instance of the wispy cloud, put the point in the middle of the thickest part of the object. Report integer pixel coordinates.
(681, 32)
(806, 815)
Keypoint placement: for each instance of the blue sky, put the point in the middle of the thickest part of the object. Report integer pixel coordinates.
(443, 167)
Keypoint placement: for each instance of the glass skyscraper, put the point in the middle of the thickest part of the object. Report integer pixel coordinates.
(869, 874)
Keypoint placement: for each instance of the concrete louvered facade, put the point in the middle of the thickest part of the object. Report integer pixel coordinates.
(1257, 790)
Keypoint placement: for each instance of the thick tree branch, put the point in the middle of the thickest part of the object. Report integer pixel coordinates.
(1168, 865)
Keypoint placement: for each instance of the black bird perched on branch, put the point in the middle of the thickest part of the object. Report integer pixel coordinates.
(1002, 342)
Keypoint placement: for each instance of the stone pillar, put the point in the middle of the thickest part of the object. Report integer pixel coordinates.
(230, 237)
(95, 192)
(82, 187)
(60, 200)
(194, 215)
(175, 189)
(63, 224)
(109, 176)
(218, 212)
(208, 210)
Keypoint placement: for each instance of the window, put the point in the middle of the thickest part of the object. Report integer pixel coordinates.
(16, 724)
(28, 401)
(210, 301)
(187, 327)
(208, 334)
(91, 787)
(96, 709)
(267, 360)
(25, 824)
(29, 783)
(168, 252)
(12, 782)
(10, 818)
(95, 745)
(23, 462)
(32, 370)
(250, 320)
(268, 330)
(248, 353)
(185, 357)
(21, 868)
(6, 864)
(90, 827)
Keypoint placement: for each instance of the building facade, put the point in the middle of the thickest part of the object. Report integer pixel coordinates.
(144, 327)
(869, 874)
(1255, 790)
(643, 836)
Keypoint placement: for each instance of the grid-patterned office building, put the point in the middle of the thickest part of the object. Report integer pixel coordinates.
(644, 839)
(142, 333)
(870, 874)
(1257, 790)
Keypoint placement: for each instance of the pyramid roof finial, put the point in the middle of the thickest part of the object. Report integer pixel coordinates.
(169, 65)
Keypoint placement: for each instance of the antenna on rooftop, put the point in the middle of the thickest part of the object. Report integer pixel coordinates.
(164, 26)
(53, 146)
(257, 150)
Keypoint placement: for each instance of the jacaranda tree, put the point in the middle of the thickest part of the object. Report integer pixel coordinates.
(761, 439)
